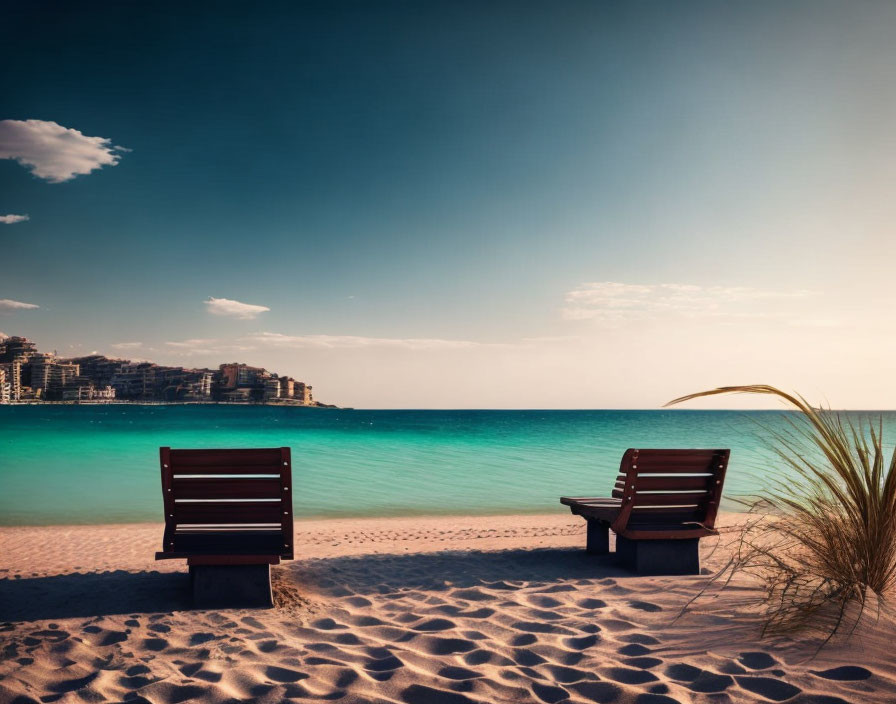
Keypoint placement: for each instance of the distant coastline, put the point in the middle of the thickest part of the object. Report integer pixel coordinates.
(117, 402)
(28, 376)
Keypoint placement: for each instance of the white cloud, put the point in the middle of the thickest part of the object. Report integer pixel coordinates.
(127, 345)
(234, 309)
(609, 301)
(7, 304)
(3, 335)
(53, 152)
(206, 346)
(274, 339)
(13, 219)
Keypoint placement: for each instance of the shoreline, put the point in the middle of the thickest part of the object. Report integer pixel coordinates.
(461, 514)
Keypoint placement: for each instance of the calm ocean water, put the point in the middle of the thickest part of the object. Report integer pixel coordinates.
(99, 464)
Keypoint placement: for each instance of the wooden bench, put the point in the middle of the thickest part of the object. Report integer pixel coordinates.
(229, 514)
(664, 501)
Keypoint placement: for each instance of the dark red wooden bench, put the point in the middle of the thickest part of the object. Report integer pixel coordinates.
(664, 501)
(229, 514)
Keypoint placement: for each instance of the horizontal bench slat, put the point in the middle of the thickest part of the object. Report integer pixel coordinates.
(208, 488)
(263, 457)
(229, 512)
(672, 483)
(689, 498)
(248, 470)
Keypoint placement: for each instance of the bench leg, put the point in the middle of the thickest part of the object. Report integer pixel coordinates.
(658, 557)
(231, 586)
(598, 540)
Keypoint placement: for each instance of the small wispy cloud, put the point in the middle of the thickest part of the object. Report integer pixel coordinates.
(206, 346)
(13, 219)
(273, 339)
(7, 304)
(610, 301)
(53, 152)
(127, 345)
(234, 309)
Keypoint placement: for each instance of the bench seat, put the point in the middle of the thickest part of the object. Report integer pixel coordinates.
(265, 545)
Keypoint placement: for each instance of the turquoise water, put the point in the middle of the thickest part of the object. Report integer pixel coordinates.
(99, 464)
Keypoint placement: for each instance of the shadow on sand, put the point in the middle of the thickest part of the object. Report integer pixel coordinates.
(95, 594)
(120, 592)
(452, 569)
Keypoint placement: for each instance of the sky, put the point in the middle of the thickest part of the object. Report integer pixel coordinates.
(459, 204)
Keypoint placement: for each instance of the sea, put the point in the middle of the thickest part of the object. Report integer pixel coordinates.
(87, 464)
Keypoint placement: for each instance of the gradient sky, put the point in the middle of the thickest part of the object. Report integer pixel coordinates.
(460, 204)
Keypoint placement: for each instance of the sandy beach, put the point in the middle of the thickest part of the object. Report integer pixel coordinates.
(441, 610)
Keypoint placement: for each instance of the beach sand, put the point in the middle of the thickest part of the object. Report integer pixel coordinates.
(441, 610)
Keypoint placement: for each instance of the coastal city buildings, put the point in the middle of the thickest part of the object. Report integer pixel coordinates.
(27, 375)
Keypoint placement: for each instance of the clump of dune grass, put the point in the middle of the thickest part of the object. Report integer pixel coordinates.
(822, 537)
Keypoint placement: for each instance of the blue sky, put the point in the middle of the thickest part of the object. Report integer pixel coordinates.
(461, 204)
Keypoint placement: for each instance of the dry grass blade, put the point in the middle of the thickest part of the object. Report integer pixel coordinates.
(829, 547)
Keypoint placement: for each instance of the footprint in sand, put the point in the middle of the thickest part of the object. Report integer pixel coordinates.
(191, 669)
(483, 612)
(580, 643)
(546, 615)
(481, 657)
(653, 698)
(591, 604)
(627, 675)
(539, 627)
(388, 663)
(446, 646)
(435, 624)
(732, 668)
(633, 649)
(709, 682)
(284, 674)
(420, 694)
(523, 639)
(548, 693)
(770, 688)
(53, 636)
(527, 658)
(566, 675)
(72, 685)
(367, 621)
(155, 644)
(545, 602)
(471, 595)
(453, 672)
(556, 589)
(640, 639)
(757, 660)
(347, 639)
(600, 692)
(616, 624)
(645, 606)
(643, 663)
(200, 638)
(846, 673)
(358, 601)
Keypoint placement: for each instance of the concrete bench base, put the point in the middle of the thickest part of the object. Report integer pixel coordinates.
(658, 557)
(234, 586)
(598, 537)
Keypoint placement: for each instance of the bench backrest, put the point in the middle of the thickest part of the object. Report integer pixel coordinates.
(220, 490)
(669, 490)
